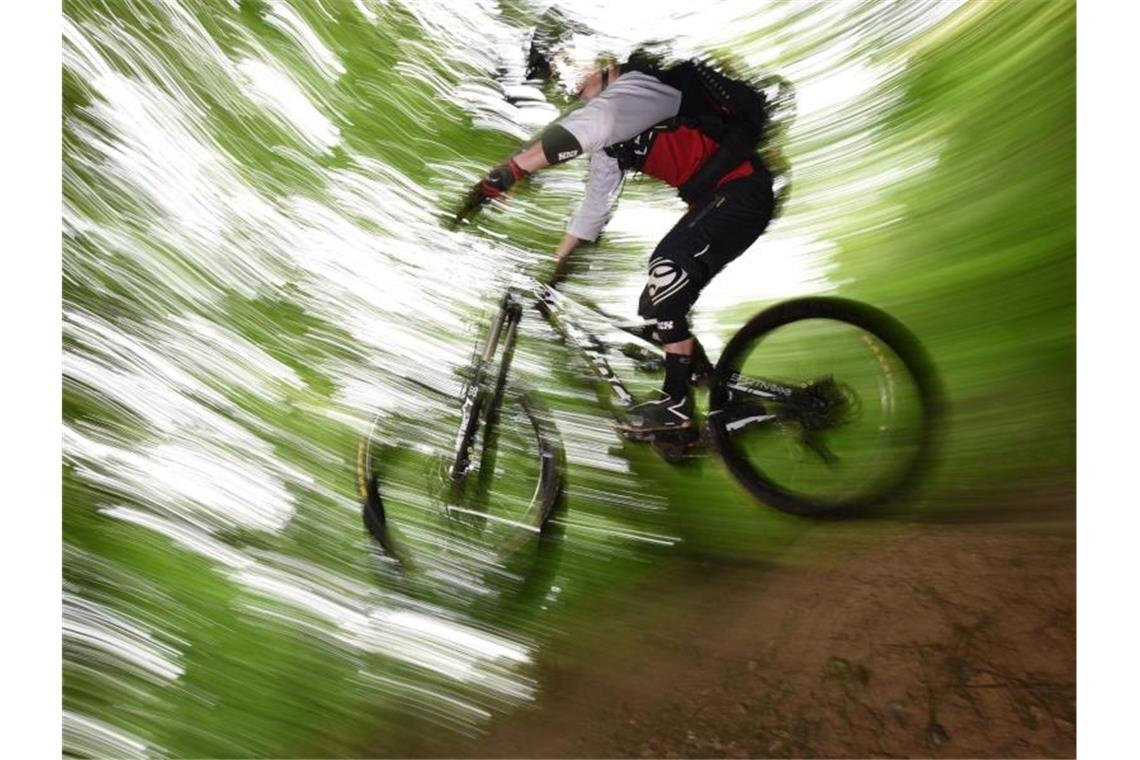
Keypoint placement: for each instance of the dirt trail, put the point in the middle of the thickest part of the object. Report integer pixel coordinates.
(933, 641)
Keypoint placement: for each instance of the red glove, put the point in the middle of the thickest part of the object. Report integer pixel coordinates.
(497, 182)
(500, 179)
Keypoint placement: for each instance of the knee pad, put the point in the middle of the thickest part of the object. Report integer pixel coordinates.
(668, 295)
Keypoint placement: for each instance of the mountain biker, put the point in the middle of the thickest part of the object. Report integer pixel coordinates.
(694, 129)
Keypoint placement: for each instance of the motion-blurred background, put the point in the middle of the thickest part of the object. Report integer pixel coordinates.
(253, 262)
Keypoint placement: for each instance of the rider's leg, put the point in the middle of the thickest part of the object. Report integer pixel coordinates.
(678, 367)
(708, 237)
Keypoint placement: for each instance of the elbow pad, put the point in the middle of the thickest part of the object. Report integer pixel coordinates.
(558, 145)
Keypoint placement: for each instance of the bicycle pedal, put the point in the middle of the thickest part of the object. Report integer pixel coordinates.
(675, 447)
(671, 453)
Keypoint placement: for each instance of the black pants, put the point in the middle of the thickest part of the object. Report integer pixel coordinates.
(714, 232)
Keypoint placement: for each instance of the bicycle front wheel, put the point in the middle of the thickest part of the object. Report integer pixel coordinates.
(824, 406)
(464, 533)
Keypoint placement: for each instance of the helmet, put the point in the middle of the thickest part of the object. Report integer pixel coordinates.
(560, 49)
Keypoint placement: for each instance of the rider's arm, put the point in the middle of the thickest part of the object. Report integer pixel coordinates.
(532, 158)
(566, 247)
(632, 104)
(553, 146)
(628, 107)
(602, 190)
(587, 221)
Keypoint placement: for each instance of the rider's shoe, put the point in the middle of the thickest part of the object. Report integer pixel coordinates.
(663, 415)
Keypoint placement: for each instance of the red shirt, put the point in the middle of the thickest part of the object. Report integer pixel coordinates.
(677, 154)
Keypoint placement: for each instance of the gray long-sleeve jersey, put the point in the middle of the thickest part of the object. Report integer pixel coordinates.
(633, 103)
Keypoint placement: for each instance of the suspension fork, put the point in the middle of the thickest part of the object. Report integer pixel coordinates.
(490, 426)
(475, 395)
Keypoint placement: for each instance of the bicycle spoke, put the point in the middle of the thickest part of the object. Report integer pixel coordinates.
(849, 415)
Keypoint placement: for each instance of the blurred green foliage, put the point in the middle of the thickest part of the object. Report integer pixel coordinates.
(971, 243)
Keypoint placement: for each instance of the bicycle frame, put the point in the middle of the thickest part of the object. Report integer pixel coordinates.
(741, 389)
(552, 305)
(747, 393)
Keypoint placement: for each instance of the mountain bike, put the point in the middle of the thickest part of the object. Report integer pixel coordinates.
(816, 406)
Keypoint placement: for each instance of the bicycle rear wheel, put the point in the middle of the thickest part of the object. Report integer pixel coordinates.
(824, 406)
(466, 533)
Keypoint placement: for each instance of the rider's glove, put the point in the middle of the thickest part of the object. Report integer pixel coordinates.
(499, 180)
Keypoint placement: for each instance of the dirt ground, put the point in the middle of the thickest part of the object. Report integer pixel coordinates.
(928, 641)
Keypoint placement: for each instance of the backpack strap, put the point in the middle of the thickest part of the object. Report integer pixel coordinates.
(740, 101)
(737, 126)
(729, 111)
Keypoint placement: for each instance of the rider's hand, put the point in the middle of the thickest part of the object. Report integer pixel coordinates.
(499, 180)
